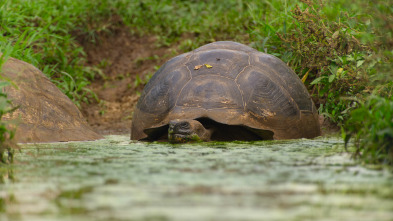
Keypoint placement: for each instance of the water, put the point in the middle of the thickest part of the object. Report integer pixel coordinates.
(113, 179)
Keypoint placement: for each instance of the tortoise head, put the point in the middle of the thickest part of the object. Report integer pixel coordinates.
(186, 130)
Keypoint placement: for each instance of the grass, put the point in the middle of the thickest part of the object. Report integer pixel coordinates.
(371, 126)
(194, 23)
(322, 46)
(341, 49)
(7, 144)
(40, 32)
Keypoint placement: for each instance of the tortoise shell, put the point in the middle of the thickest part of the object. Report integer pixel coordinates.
(45, 114)
(229, 83)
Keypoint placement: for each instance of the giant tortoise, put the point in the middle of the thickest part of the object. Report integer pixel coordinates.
(45, 114)
(224, 91)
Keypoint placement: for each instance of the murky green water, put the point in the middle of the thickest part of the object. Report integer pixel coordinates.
(114, 179)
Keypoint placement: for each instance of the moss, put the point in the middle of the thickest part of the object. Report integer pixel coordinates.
(76, 194)
(186, 139)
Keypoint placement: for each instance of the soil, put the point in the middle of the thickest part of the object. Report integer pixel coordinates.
(121, 56)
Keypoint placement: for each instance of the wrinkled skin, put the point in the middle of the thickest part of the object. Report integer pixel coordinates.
(183, 131)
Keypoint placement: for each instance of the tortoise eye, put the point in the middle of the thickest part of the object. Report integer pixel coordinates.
(184, 125)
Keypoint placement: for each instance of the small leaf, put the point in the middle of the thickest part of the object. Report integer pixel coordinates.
(359, 63)
(4, 83)
(197, 67)
(333, 69)
(317, 80)
(339, 72)
(335, 35)
(331, 78)
(208, 66)
(385, 132)
(350, 58)
(304, 78)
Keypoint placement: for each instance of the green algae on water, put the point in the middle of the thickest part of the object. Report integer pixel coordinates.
(115, 179)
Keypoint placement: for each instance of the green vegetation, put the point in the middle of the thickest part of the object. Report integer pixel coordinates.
(194, 23)
(371, 124)
(6, 133)
(372, 127)
(341, 49)
(323, 44)
(43, 33)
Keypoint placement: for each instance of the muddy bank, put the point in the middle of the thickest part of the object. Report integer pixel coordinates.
(122, 58)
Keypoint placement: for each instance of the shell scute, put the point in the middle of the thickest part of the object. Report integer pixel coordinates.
(264, 96)
(211, 92)
(162, 97)
(279, 71)
(223, 62)
(169, 66)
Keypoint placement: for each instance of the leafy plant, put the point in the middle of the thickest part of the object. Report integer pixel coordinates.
(328, 56)
(371, 126)
(7, 132)
(40, 34)
(193, 22)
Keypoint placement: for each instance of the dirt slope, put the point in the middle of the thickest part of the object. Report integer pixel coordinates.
(122, 56)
